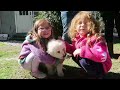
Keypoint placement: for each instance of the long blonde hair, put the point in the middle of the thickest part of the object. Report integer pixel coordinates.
(95, 26)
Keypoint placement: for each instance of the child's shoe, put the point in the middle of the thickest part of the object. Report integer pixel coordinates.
(39, 75)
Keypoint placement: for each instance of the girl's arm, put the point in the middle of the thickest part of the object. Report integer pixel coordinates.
(24, 52)
(70, 47)
(97, 53)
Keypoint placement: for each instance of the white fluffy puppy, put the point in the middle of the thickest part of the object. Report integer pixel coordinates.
(57, 49)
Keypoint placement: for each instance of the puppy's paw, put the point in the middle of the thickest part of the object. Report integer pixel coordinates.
(50, 69)
(60, 74)
(51, 72)
(63, 68)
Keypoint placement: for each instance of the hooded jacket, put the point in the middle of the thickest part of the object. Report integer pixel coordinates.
(29, 46)
(98, 52)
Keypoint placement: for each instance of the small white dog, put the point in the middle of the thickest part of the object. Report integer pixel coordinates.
(57, 49)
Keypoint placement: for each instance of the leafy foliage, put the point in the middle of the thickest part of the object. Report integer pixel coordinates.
(98, 16)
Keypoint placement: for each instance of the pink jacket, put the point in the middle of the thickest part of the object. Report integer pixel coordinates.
(98, 52)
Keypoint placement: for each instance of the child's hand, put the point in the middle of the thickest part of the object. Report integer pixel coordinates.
(77, 52)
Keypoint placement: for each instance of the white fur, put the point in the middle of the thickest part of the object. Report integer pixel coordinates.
(57, 49)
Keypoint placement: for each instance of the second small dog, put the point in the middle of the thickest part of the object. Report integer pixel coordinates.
(57, 49)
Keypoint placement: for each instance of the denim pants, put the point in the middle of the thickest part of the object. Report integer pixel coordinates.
(66, 17)
(92, 68)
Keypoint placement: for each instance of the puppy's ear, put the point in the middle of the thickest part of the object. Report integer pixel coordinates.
(48, 51)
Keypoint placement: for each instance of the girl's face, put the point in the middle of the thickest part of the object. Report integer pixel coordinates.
(82, 27)
(45, 31)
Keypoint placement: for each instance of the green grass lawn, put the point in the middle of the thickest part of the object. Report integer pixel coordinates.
(10, 69)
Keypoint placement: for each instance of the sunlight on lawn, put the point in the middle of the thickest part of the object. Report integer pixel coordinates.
(10, 69)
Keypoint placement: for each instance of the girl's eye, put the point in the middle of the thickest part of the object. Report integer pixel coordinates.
(47, 28)
(80, 23)
(41, 28)
(58, 51)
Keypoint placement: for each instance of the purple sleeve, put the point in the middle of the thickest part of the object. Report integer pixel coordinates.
(24, 51)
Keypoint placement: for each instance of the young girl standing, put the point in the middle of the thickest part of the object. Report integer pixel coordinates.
(89, 49)
(34, 48)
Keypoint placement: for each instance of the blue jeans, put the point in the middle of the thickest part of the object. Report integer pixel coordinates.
(66, 17)
(93, 69)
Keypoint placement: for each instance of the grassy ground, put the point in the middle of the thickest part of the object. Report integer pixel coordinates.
(10, 69)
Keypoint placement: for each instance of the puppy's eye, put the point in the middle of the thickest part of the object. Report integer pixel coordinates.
(58, 51)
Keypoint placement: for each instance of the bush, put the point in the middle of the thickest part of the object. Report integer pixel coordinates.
(54, 17)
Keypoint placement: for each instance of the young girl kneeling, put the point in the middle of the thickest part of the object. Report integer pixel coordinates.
(89, 48)
(34, 48)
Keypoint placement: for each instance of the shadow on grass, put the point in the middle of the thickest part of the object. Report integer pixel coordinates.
(70, 72)
(115, 56)
(116, 40)
(112, 75)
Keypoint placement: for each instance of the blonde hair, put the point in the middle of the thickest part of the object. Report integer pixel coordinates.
(95, 26)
